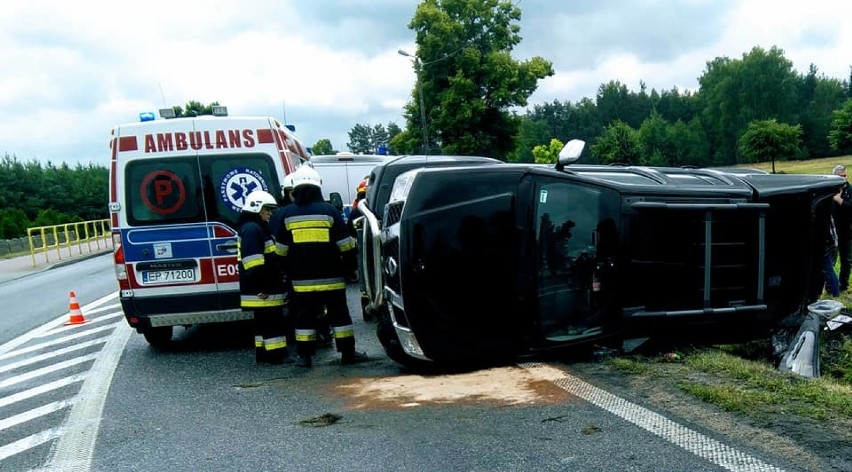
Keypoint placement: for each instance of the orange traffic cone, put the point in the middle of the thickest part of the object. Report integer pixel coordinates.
(76, 316)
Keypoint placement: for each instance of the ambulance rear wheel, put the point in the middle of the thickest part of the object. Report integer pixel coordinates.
(158, 337)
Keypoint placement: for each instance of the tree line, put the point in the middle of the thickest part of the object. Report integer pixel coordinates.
(753, 109)
(744, 110)
(32, 194)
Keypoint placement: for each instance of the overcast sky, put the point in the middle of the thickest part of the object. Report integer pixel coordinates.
(73, 69)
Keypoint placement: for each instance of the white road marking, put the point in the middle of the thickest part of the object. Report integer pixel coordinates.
(89, 323)
(34, 413)
(35, 391)
(50, 355)
(714, 451)
(14, 348)
(75, 448)
(47, 370)
(29, 442)
(54, 342)
(25, 338)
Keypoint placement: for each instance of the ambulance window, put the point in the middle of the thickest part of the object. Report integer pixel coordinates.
(229, 178)
(163, 190)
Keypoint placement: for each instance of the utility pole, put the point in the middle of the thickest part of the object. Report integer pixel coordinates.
(418, 69)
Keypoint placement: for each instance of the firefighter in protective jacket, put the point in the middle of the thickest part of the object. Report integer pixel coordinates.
(262, 288)
(319, 254)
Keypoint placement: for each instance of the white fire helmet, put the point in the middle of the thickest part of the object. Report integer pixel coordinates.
(258, 199)
(306, 175)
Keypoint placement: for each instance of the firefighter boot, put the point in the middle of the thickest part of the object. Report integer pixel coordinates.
(354, 357)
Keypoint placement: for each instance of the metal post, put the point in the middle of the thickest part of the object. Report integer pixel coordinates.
(418, 70)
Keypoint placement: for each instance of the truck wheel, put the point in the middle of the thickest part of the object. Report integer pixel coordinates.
(390, 342)
(158, 337)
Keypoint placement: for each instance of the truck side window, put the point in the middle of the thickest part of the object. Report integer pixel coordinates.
(568, 220)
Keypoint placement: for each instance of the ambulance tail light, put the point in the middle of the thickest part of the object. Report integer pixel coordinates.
(120, 267)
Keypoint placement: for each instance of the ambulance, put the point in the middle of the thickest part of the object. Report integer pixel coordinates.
(176, 188)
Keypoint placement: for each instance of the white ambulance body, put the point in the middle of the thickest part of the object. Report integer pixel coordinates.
(176, 190)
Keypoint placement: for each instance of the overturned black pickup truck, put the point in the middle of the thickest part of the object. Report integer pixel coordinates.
(491, 263)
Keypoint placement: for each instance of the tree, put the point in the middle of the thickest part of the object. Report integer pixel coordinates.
(734, 93)
(657, 147)
(322, 146)
(195, 108)
(360, 141)
(393, 131)
(769, 140)
(468, 78)
(819, 97)
(619, 144)
(689, 143)
(379, 138)
(840, 133)
(531, 134)
(548, 154)
(366, 139)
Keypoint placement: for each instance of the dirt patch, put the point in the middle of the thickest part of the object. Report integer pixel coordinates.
(501, 386)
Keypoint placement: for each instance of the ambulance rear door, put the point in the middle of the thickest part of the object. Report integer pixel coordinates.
(253, 161)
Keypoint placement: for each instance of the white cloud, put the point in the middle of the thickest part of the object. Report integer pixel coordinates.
(75, 69)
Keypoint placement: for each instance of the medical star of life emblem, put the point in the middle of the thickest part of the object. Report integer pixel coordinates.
(238, 183)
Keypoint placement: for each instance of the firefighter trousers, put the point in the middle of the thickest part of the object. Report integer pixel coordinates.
(308, 307)
(272, 329)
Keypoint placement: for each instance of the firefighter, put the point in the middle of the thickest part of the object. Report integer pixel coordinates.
(276, 224)
(262, 289)
(319, 254)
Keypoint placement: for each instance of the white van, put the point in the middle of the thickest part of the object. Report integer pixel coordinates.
(176, 188)
(342, 172)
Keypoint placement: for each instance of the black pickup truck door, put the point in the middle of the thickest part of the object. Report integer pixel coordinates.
(576, 234)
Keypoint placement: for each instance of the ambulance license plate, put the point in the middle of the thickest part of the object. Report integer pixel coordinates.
(169, 276)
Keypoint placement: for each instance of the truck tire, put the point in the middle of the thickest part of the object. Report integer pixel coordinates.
(393, 348)
(158, 337)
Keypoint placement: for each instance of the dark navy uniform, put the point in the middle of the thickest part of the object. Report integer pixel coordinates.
(319, 254)
(260, 273)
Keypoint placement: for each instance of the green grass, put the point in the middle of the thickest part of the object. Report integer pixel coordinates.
(729, 377)
(812, 166)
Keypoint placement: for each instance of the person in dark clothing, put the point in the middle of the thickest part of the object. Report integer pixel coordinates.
(319, 253)
(276, 223)
(262, 289)
(355, 213)
(842, 212)
(832, 285)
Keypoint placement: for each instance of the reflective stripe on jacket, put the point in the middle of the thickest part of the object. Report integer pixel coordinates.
(260, 267)
(319, 251)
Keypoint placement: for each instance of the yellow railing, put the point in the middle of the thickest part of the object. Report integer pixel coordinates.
(46, 239)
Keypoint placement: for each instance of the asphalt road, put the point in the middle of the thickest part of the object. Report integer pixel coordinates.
(204, 405)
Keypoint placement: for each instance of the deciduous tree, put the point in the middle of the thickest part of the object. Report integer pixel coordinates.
(769, 140)
(468, 77)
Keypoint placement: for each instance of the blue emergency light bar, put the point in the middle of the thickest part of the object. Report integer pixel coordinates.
(146, 116)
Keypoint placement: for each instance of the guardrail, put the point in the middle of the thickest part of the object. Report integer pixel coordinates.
(46, 239)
